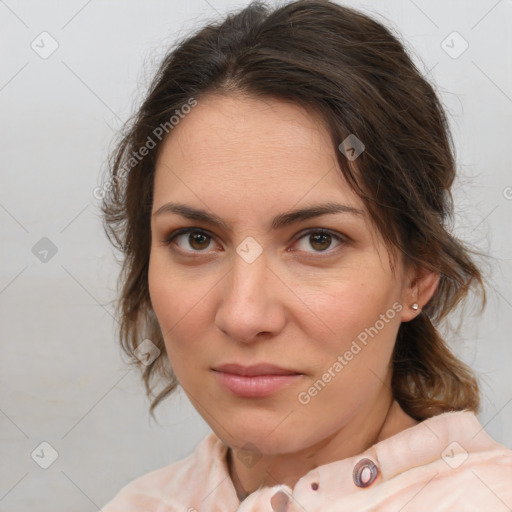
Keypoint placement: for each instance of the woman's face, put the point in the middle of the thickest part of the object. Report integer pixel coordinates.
(257, 274)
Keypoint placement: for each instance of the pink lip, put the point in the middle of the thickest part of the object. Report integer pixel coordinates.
(255, 381)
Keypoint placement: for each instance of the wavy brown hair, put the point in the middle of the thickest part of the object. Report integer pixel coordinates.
(353, 72)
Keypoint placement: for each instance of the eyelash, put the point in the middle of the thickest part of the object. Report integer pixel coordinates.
(317, 231)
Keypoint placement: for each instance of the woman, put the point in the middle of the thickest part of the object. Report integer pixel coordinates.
(281, 201)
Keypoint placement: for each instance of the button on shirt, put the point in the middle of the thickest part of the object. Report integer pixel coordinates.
(445, 463)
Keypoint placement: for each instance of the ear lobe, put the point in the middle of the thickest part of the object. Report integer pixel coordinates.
(423, 285)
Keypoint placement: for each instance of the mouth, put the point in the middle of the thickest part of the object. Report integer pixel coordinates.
(256, 381)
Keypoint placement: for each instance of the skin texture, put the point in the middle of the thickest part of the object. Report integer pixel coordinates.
(299, 305)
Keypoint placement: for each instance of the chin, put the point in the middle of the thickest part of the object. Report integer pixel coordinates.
(256, 434)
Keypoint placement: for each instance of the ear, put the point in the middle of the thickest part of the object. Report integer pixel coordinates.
(422, 284)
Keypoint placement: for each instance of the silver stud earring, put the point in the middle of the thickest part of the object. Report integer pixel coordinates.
(415, 306)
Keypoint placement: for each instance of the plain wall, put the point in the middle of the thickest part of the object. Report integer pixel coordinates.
(63, 380)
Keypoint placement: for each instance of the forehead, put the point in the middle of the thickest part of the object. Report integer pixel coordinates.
(222, 122)
(237, 144)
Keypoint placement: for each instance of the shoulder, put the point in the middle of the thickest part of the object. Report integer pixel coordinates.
(171, 484)
(465, 481)
(448, 461)
(444, 463)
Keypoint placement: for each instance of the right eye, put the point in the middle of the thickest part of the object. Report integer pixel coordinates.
(190, 240)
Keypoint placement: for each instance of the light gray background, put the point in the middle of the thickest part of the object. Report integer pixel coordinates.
(63, 380)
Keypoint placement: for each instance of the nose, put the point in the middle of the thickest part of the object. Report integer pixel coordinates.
(250, 308)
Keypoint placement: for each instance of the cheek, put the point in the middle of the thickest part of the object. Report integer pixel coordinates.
(352, 306)
(182, 303)
(361, 318)
(351, 365)
(175, 295)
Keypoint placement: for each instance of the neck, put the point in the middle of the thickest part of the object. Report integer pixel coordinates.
(381, 419)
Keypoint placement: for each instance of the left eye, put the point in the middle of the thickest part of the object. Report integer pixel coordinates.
(319, 240)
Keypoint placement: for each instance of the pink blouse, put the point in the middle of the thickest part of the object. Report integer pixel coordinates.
(445, 463)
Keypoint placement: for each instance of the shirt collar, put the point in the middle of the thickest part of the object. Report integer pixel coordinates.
(441, 436)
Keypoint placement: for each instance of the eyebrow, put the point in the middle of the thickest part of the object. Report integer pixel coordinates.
(280, 221)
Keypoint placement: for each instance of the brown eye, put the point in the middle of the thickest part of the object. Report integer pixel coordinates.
(198, 240)
(319, 241)
(189, 240)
